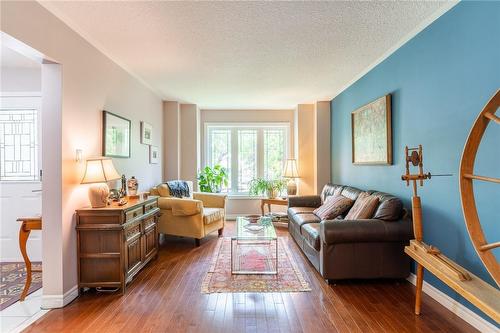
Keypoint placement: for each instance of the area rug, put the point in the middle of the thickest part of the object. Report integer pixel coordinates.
(13, 277)
(220, 280)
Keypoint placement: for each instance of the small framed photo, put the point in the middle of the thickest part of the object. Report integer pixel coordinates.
(146, 133)
(154, 155)
(115, 136)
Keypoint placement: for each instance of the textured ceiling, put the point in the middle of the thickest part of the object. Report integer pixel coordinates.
(246, 54)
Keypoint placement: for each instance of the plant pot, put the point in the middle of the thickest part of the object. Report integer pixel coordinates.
(272, 193)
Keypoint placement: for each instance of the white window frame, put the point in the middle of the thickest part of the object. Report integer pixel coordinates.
(259, 127)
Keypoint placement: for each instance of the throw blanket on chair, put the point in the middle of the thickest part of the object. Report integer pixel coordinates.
(178, 188)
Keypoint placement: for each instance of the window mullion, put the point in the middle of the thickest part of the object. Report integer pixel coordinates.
(260, 153)
(234, 160)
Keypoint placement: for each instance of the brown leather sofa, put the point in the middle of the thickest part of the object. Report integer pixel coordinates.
(356, 249)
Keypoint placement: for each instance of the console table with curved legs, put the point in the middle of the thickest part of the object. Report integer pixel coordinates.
(27, 224)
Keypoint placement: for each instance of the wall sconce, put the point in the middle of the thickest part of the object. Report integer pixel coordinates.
(79, 156)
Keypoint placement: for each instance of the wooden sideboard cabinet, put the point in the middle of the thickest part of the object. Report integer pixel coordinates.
(116, 242)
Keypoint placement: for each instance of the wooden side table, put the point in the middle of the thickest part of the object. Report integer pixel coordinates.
(27, 224)
(269, 202)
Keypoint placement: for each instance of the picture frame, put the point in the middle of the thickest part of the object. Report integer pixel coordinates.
(146, 133)
(371, 133)
(116, 132)
(154, 155)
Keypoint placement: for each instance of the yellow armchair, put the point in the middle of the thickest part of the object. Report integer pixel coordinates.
(195, 217)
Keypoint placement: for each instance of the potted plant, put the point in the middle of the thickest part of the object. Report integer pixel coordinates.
(211, 179)
(271, 188)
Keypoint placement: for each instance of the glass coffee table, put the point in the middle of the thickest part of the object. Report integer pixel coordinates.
(254, 251)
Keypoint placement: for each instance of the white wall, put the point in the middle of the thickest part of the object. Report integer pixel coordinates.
(189, 137)
(322, 150)
(91, 82)
(171, 143)
(306, 134)
(19, 79)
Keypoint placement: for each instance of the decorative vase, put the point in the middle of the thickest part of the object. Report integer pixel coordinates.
(132, 186)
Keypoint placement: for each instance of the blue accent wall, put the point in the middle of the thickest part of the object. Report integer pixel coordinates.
(440, 80)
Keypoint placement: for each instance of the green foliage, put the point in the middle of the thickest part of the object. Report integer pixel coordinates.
(212, 179)
(271, 188)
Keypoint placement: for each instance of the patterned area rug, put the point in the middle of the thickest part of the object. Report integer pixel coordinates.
(13, 277)
(220, 280)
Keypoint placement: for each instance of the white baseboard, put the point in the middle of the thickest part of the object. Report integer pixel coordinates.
(59, 301)
(460, 310)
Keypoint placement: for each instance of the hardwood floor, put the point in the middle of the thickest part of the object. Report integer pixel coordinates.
(166, 297)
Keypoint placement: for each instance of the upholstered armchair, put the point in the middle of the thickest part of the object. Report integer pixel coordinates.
(196, 216)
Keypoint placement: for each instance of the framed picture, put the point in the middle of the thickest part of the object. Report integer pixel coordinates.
(115, 136)
(372, 133)
(146, 133)
(154, 155)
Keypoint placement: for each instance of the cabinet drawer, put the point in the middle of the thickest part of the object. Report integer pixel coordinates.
(148, 224)
(132, 214)
(133, 232)
(150, 206)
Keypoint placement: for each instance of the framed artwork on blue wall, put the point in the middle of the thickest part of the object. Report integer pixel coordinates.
(372, 132)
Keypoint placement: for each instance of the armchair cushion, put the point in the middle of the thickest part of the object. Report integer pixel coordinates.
(214, 200)
(181, 207)
(212, 215)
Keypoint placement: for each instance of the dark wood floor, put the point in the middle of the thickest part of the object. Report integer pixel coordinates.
(166, 297)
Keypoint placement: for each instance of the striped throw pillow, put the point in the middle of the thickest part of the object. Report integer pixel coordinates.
(364, 207)
(333, 206)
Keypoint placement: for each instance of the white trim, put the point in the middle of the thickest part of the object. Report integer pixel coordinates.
(59, 301)
(21, 94)
(459, 309)
(29, 321)
(419, 28)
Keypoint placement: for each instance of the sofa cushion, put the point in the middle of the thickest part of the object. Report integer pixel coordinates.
(333, 207)
(329, 190)
(390, 208)
(310, 231)
(364, 207)
(300, 219)
(351, 192)
(211, 215)
(300, 210)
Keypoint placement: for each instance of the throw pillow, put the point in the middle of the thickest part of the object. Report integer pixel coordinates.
(334, 206)
(364, 207)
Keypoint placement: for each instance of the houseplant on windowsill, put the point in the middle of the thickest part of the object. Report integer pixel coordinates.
(271, 188)
(211, 179)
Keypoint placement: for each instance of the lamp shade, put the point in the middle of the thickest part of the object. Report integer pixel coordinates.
(290, 170)
(99, 170)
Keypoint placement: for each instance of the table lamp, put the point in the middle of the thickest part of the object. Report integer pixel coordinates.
(291, 173)
(99, 171)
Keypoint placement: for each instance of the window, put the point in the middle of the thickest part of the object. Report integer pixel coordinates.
(18, 145)
(247, 151)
